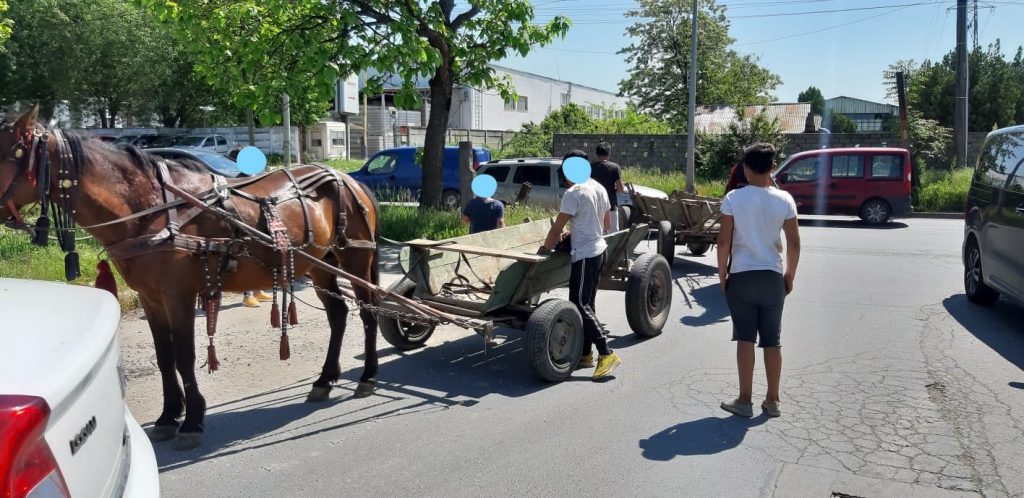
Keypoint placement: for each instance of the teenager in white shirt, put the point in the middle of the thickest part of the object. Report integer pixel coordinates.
(752, 274)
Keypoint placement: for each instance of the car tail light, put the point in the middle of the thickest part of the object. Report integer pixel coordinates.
(909, 183)
(476, 164)
(27, 466)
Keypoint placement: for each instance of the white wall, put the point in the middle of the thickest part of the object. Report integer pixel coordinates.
(476, 109)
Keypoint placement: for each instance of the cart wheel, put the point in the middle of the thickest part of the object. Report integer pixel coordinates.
(667, 241)
(648, 295)
(698, 248)
(400, 334)
(554, 335)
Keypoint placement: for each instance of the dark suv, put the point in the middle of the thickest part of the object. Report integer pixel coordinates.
(993, 248)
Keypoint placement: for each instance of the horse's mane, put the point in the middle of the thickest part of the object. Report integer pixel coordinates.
(147, 162)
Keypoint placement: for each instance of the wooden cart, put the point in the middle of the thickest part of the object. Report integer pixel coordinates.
(682, 219)
(495, 278)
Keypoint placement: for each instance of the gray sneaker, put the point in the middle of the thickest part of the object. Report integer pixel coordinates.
(771, 408)
(736, 408)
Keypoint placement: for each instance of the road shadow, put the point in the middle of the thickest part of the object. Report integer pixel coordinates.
(715, 308)
(1017, 385)
(852, 223)
(706, 436)
(998, 327)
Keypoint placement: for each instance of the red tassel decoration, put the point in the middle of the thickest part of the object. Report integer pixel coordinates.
(105, 278)
(212, 363)
(275, 316)
(293, 318)
(284, 350)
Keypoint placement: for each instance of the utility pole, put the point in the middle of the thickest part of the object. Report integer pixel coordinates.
(287, 114)
(962, 78)
(901, 94)
(974, 23)
(691, 132)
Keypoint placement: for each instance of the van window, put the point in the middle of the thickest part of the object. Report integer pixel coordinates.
(1001, 154)
(887, 167)
(538, 176)
(848, 166)
(500, 173)
(381, 165)
(1017, 182)
(806, 170)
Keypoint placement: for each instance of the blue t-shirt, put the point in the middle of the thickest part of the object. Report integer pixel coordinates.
(483, 214)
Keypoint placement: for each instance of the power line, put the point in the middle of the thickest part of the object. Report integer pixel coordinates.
(855, 21)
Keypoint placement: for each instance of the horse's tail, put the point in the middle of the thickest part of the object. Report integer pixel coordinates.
(375, 271)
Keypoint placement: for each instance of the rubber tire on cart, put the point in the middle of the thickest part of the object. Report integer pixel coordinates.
(974, 285)
(698, 248)
(667, 241)
(648, 294)
(875, 212)
(554, 339)
(625, 216)
(400, 334)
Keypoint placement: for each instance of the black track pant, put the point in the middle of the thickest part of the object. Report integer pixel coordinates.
(583, 280)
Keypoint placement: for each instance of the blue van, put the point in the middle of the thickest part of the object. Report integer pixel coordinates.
(393, 173)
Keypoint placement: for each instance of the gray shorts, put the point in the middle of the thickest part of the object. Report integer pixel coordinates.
(755, 301)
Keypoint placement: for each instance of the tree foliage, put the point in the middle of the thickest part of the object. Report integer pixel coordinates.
(718, 153)
(104, 57)
(260, 49)
(5, 23)
(814, 96)
(660, 60)
(839, 123)
(996, 96)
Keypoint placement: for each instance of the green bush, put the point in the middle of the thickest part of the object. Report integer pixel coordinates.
(943, 191)
(718, 153)
(408, 222)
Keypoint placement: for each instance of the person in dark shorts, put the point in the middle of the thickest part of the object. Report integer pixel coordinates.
(752, 275)
(483, 214)
(609, 175)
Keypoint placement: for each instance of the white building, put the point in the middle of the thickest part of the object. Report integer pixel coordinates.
(480, 109)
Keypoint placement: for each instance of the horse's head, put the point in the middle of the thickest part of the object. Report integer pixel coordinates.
(16, 176)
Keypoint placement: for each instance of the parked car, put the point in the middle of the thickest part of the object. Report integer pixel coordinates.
(392, 172)
(136, 140)
(64, 427)
(993, 249)
(216, 163)
(547, 185)
(213, 143)
(873, 183)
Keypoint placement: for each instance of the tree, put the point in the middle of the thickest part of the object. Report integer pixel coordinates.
(534, 140)
(262, 48)
(839, 123)
(5, 24)
(660, 60)
(814, 96)
(717, 153)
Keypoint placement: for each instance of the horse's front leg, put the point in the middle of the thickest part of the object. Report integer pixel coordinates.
(337, 315)
(174, 399)
(182, 321)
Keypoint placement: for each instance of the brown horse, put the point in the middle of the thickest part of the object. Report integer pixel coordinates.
(335, 221)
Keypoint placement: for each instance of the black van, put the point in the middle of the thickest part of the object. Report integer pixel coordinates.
(993, 249)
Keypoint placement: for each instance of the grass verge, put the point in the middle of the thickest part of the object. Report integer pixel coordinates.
(407, 222)
(943, 190)
(669, 181)
(345, 165)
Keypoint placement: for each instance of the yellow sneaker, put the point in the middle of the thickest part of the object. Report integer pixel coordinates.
(606, 365)
(586, 361)
(263, 297)
(250, 302)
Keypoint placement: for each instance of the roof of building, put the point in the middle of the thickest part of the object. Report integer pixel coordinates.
(395, 81)
(717, 118)
(851, 105)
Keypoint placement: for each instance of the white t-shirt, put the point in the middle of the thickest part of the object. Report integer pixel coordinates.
(587, 203)
(757, 237)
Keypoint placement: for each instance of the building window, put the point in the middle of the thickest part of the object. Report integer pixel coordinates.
(315, 139)
(566, 98)
(510, 105)
(520, 105)
(337, 138)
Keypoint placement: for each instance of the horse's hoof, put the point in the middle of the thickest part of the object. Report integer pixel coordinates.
(364, 389)
(185, 441)
(163, 432)
(319, 394)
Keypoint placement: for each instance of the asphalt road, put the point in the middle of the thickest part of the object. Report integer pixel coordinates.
(893, 385)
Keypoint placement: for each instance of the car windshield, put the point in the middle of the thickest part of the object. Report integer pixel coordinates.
(219, 163)
(190, 141)
(126, 139)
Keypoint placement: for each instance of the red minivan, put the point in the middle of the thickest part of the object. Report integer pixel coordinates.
(873, 183)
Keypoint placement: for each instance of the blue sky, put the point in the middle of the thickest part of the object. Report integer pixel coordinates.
(845, 60)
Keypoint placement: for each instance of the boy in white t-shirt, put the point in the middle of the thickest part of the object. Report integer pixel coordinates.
(752, 275)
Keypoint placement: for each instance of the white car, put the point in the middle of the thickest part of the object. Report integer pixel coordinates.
(209, 143)
(64, 428)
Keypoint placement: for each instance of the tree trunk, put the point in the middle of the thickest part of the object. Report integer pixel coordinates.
(433, 143)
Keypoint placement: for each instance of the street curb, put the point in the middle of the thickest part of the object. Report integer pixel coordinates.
(941, 216)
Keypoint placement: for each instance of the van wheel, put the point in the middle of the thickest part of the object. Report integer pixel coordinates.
(875, 212)
(974, 283)
(450, 199)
